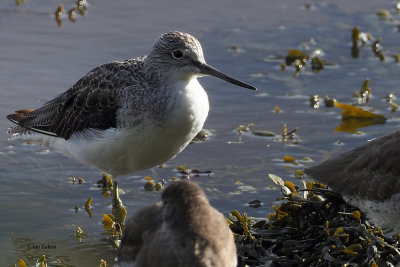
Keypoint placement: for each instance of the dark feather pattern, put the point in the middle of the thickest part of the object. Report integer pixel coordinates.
(92, 103)
(120, 94)
(371, 171)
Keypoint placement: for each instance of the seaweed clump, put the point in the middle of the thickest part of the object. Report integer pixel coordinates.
(299, 60)
(80, 8)
(315, 229)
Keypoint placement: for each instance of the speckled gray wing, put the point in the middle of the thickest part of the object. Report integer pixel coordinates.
(145, 221)
(371, 171)
(92, 103)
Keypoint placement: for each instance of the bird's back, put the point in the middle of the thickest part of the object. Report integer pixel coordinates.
(371, 171)
(367, 177)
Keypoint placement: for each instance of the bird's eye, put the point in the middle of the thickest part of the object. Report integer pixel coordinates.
(177, 54)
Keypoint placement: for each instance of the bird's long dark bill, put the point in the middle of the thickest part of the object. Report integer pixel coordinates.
(208, 70)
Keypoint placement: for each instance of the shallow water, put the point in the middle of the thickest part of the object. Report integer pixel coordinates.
(40, 60)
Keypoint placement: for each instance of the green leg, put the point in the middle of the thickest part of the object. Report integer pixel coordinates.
(118, 209)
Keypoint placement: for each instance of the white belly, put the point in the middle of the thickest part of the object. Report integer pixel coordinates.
(122, 151)
(385, 214)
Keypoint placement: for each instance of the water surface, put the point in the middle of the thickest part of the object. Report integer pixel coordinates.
(40, 60)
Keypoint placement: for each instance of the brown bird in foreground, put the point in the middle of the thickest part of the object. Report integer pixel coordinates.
(181, 230)
(367, 177)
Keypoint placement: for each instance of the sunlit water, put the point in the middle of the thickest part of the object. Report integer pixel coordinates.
(40, 60)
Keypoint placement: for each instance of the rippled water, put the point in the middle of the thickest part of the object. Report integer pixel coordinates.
(40, 60)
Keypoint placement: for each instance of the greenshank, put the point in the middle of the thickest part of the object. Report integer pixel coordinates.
(368, 177)
(181, 230)
(128, 115)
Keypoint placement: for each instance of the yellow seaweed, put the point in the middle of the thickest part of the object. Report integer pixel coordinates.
(338, 231)
(102, 263)
(21, 263)
(88, 202)
(349, 252)
(299, 174)
(237, 215)
(120, 214)
(181, 168)
(43, 261)
(350, 111)
(158, 186)
(290, 159)
(87, 207)
(292, 188)
(149, 185)
(351, 125)
(355, 247)
(354, 118)
(107, 179)
(58, 15)
(243, 221)
(82, 6)
(356, 214)
(295, 54)
(107, 221)
(309, 185)
(383, 14)
(72, 14)
(355, 33)
(279, 212)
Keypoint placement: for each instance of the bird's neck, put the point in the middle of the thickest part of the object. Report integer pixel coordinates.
(156, 71)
